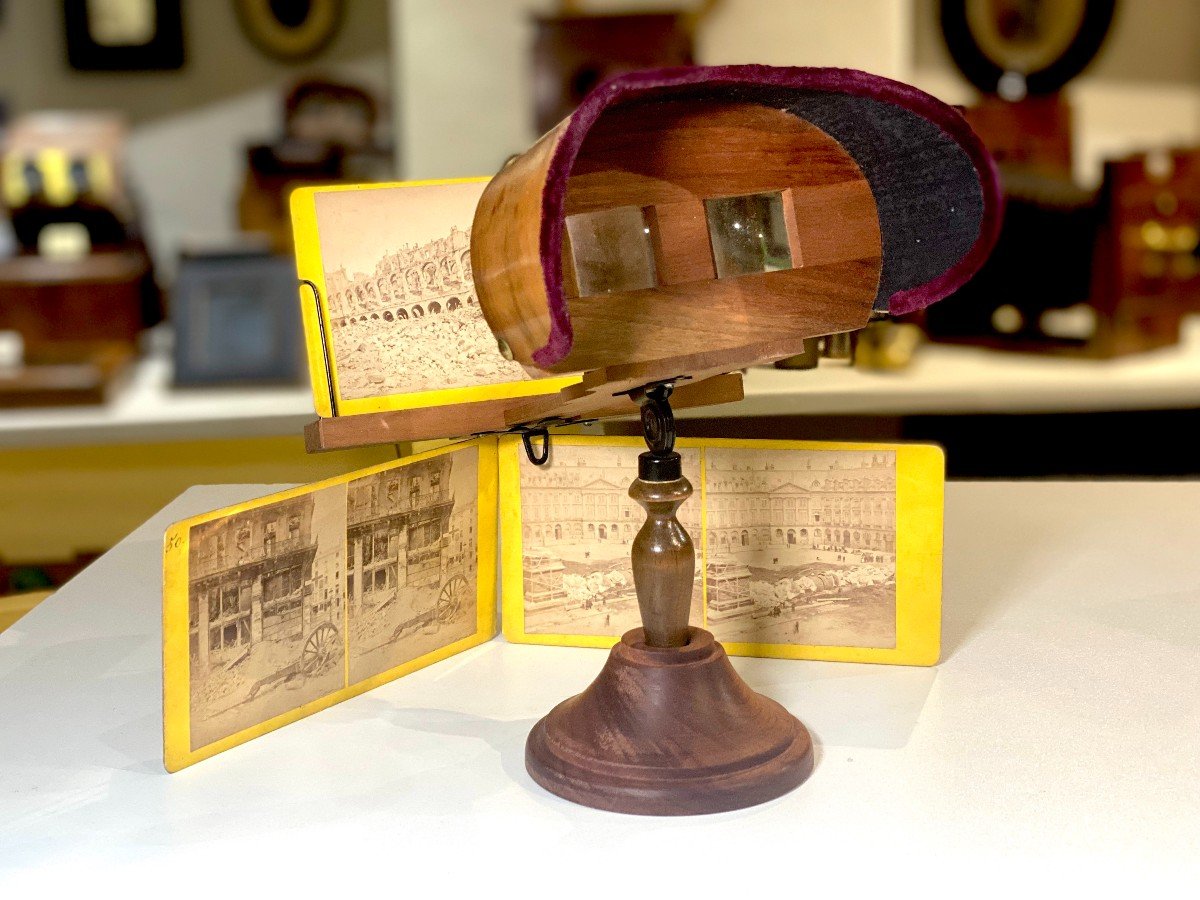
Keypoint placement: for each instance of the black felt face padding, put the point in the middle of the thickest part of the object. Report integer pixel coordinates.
(926, 188)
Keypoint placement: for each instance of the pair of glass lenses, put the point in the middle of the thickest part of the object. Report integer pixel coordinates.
(613, 250)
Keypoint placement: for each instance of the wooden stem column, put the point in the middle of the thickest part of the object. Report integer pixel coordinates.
(668, 727)
(664, 560)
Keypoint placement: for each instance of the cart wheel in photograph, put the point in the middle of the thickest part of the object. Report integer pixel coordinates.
(451, 599)
(320, 650)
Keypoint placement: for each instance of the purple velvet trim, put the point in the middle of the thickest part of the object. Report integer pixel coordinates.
(638, 85)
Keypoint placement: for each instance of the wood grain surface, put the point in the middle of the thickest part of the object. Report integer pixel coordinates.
(463, 419)
(671, 731)
(667, 158)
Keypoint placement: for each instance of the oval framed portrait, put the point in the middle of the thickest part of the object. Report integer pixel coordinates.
(290, 30)
(1044, 43)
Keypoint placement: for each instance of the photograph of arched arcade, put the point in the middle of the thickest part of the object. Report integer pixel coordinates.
(399, 290)
(801, 546)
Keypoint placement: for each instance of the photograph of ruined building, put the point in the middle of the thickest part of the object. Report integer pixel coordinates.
(578, 522)
(265, 612)
(400, 294)
(411, 560)
(801, 546)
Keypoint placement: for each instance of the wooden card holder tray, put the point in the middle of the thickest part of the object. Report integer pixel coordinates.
(577, 403)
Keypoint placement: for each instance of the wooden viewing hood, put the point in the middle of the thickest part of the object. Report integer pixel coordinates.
(890, 203)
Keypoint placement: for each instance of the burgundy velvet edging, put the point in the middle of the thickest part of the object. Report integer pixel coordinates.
(851, 81)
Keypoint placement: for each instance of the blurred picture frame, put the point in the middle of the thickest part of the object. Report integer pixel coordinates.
(124, 35)
(236, 321)
(1015, 48)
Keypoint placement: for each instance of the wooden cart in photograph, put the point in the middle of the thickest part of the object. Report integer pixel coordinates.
(322, 647)
(452, 595)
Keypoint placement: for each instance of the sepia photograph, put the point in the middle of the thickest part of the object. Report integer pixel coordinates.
(801, 546)
(578, 522)
(266, 612)
(411, 560)
(402, 306)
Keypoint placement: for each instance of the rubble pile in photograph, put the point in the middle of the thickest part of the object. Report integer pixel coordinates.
(443, 350)
(411, 561)
(801, 546)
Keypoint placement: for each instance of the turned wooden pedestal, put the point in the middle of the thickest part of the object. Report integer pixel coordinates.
(669, 731)
(668, 728)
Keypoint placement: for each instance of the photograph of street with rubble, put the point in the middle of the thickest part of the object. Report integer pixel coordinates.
(801, 546)
(411, 560)
(578, 522)
(400, 292)
(265, 612)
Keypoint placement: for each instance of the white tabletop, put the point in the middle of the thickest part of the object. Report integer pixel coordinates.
(1058, 740)
(942, 380)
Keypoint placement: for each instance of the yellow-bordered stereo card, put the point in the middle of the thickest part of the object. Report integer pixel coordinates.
(282, 606)
(825, 551)
(400, 324)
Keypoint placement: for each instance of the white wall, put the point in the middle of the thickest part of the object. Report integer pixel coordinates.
(462, 86)
(873, 35)
(187, 169)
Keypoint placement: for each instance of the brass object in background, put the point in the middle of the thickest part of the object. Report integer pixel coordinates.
(839, 346)
(293, 31)
(808, 358)
(887, 346)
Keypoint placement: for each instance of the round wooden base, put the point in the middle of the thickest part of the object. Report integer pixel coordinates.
(669, 732)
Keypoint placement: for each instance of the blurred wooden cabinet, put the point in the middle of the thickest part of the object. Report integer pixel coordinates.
(105, 296)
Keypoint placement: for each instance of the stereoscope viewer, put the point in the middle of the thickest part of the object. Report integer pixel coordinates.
(679, 226)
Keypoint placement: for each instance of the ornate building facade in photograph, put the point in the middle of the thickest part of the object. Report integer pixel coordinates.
(578, 522)
(265, 612)
(402, 303)
(801, 546)
(411, 560)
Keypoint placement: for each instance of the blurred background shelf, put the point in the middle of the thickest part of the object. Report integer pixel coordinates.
(945, 379)
(147, 408)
